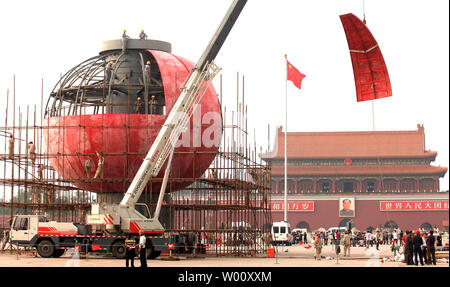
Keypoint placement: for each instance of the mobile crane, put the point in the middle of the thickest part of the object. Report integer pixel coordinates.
(118, 220)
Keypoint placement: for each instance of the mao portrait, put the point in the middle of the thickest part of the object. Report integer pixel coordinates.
(347, 207)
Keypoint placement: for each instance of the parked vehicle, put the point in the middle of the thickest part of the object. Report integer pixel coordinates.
(281, 233)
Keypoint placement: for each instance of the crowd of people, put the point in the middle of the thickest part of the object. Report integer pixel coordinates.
(415, 246)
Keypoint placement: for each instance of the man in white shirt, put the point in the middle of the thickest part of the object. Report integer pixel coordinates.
(142, 249)
(395, 237)
(368, 239)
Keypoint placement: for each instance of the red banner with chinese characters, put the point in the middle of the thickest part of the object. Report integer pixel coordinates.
(293, 206)
(423, 205)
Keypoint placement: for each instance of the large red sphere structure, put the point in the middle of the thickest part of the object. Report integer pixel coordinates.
(126, 137)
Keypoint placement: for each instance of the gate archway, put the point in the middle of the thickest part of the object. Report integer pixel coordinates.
(302, 224)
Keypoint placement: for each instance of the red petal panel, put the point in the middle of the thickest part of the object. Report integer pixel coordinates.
(371, 75)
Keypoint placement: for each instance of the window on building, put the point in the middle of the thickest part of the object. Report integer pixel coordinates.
(370, 186)
(408, 185)
(306, 186)
(348, 187)
(390, 185)
(427, 185)
(326, 187)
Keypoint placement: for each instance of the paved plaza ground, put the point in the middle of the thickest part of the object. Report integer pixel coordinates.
(292, 256)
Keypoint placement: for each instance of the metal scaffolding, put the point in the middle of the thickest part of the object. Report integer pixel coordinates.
(226, 211)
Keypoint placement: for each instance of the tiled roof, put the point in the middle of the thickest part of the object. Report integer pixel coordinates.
(361, 170)
(362, 144)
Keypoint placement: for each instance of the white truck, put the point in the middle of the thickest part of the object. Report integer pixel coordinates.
(118, 220)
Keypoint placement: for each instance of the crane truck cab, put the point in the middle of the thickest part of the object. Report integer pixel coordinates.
(37, 231)
(281, 233)
(51, 238)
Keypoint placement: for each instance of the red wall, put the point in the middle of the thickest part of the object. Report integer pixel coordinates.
(367, 213)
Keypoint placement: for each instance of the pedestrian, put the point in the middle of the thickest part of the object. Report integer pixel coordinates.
(338, 238)
(431, 249)
(439, 239)
(408, 248)
(305, 239)
(395, 237)
(11, 147)
(368, 237)
(88, 166)
(40, 172)
(330, 240)
(142, 35)
(99, 171)
(378, 239)
(417, 248)
(424, 247)
(142, 249)
(347, 243)
(32, 151)
(317, 246)
(130, 245)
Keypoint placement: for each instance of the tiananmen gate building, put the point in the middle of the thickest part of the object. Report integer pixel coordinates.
(372, 179)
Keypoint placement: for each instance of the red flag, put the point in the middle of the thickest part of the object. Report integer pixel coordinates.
(294, 75)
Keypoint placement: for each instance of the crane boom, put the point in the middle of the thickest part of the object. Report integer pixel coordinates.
(179, 116)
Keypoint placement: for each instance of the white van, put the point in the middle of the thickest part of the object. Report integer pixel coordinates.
(281, 233)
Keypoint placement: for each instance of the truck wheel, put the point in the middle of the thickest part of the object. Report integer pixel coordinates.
(151, 253)
(118, 250)
(45, 248)
(58, 253)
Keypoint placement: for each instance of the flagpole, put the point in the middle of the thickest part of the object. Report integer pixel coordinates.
(285, 151)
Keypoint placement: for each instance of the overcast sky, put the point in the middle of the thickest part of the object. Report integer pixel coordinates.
(41, 39)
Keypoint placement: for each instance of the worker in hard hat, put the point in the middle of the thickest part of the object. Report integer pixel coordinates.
(101, 161)
(88, 166)
(108, 71)
(125, 38)
(142, 35)
(32, 152)
(147, 71)
(11, 147)
(153, 106)
(138, 105)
